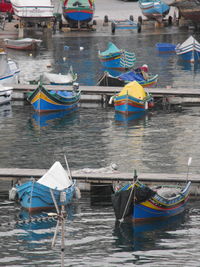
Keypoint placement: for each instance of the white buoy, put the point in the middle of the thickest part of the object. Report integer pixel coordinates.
(81, 48)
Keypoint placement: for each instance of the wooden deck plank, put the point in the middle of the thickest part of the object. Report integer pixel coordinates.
(17, 173)
(108, 90)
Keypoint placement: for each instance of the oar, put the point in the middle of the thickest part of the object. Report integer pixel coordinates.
(134, 181)
(189, 163)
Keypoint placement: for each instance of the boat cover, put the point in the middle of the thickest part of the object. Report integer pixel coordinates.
(111, 49)
(56, 177)
(22, 40)
(131, 76)
(133, 89)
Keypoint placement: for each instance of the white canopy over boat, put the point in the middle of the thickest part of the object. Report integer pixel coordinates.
(56, 177)
(33, 9)
(60, 79)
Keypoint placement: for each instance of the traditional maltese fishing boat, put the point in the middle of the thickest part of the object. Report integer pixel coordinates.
(78, 12)
(139, 202)
(116, 58)
(43, 100)
(132, 98)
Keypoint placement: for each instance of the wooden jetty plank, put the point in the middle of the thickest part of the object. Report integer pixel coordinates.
(16, 173)
(108, 90)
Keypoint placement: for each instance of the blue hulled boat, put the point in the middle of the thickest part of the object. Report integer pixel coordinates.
(189, 50)
(116, 58)
(43, 100)
(121, 80)
(80, 11)
(141, 203)
(154, 9)
(38, 195)
(132, 98)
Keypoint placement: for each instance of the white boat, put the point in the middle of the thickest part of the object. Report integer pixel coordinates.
(9, 72)
(33, 9)
(5, 94)
(189, 50)
(23, 44)
(59, 79)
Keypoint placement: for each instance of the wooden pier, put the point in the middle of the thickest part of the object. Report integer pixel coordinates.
(85, 180)
(103, 93)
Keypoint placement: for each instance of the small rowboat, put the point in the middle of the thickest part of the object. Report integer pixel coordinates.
(23, 44)
(40, 195)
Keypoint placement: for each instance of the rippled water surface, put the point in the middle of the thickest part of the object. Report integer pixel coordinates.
(93, 137)
(93, 238)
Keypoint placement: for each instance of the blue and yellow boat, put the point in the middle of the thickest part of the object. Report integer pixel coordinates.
(140, 202)
(43, 100)
(132, 98)
(116, 58)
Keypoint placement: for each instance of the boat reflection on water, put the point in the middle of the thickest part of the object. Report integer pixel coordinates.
(39, 226)
(145, 235)
(50, 118)
(132, 119)
(188, 66)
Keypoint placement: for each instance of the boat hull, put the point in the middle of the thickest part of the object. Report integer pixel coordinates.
(44, 101)
(127, 104)
(139, 203)
(154, 10)
(37, 197)
(82, 15)
(22, 46)
(190, 56)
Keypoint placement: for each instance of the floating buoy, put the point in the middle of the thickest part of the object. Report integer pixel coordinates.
(49, 65)
(81, 48)
(30, 55)
(64, 58)
(66, 47)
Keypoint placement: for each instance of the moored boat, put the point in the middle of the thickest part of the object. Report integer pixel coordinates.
(23, 44)
(139, 202)
(132, 98)
(116, 58)
(189, 50)
(9, 72)
(154, 9)
(165, 47)
(54, 186)
(78, 12)
(59, 79)
(43, 100)
(108, 80)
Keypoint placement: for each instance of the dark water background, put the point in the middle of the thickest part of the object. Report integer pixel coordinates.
(93, 137)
